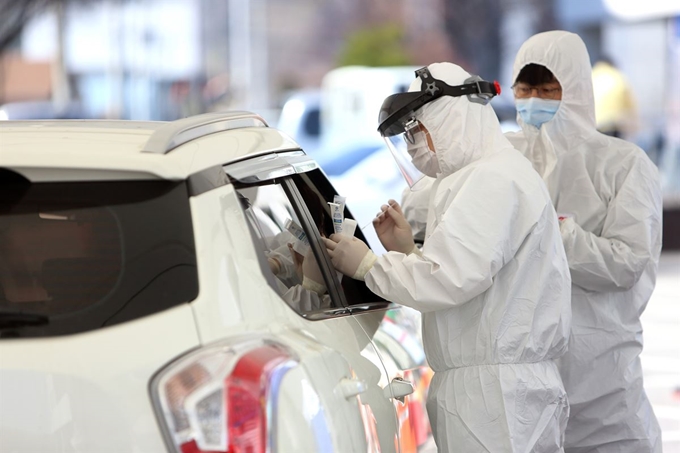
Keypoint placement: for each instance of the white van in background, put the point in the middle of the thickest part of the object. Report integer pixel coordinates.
(351, 97)
(343, 112)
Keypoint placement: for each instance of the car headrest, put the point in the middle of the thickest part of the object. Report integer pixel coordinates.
(79, 279)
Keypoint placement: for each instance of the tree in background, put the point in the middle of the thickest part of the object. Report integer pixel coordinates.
(376, 46)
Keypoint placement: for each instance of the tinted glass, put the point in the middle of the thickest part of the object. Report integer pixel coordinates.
(80, 256)
(316, 192)
(285, 241)
(271, 210)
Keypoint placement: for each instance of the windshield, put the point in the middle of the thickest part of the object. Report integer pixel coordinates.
(79, 256)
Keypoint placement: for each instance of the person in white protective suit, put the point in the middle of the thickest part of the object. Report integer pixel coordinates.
(608, 195)
(491, 280)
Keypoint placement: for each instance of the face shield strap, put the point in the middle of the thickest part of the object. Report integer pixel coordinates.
(473, 85)
(399, 109)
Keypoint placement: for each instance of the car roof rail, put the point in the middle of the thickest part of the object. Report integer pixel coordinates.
(179, 132)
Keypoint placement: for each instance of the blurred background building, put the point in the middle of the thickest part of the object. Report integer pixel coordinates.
(319, 70)
(167, 59)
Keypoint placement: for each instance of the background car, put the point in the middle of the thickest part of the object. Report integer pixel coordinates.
(140, 309)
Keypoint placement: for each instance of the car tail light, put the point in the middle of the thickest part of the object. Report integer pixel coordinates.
(222, 398)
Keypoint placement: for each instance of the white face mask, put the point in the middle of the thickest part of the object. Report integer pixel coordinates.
(422, 157)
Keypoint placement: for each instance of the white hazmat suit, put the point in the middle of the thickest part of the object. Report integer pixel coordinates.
(492, 283)
(610, 193)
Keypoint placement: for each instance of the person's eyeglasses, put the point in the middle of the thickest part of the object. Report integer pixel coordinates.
(543, 91)
(413, 128)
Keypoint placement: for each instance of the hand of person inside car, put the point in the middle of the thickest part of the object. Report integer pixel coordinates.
(298, 259)
(308, 270)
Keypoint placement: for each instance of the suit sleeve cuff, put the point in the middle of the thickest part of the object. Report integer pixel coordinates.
(313, 286)
(416, 250)
(366, 265)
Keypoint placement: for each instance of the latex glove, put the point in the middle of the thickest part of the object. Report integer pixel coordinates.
(393, 229)
(308, 269)
(350, 255)
(297, 261)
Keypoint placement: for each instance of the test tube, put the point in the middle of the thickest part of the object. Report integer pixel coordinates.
(337, 216)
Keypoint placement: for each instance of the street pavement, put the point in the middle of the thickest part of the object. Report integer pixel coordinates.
(661, 354)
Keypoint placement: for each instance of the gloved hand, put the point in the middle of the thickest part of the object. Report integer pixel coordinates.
(350, 255)
(297, 261)
(308, 270)
(393, 229)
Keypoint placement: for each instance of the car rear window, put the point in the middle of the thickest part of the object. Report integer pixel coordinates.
(80, 256)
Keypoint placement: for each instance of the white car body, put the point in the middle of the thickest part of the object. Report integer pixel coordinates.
(98, 390)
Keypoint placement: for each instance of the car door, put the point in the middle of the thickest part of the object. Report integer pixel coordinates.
(399, 339)
(368, 312)
(289, 214)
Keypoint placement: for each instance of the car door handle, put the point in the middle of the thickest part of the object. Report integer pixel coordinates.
(398, 389)
(350, 388)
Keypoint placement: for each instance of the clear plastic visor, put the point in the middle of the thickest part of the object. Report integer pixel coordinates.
(399, 145)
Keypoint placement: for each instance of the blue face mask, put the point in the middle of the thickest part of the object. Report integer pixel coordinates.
(536, 111)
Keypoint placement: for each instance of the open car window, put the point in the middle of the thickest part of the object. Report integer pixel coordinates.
(288, 216)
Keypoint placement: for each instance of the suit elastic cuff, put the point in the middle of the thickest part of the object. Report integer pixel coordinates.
(313, 286)
(415, 250)
(568, 232)
(366, 265)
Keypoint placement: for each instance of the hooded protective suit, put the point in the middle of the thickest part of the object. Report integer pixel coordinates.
(492, 284)
(610, 192)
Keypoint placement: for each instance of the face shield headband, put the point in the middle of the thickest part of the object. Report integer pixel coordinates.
(398, 110)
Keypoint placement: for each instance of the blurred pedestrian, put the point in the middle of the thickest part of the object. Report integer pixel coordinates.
(615, 110)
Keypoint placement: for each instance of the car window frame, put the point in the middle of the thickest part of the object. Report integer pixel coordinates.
(341, 307)
(315, 182)
(318, 248)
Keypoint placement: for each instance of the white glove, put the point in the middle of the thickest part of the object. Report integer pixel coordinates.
(297, 261)
(393, 229)
(308, 270)
(350, 255)
(274, 265)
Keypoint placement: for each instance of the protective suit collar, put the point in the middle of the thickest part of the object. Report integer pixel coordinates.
(566, 56)
(462, 131)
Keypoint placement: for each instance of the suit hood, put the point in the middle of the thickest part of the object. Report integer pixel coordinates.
(462, 131)
(566, 56)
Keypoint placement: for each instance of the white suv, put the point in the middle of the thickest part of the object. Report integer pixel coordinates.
(150, 299)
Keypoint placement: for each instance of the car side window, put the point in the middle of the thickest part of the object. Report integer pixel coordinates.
(288, 217)
(285, 242)
(316, 191)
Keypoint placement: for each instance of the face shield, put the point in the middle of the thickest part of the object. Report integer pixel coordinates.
(411, 144)
(403, 133)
